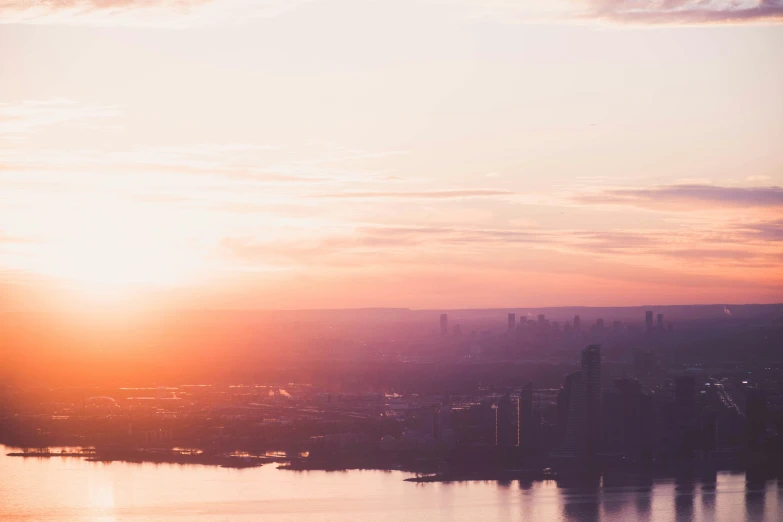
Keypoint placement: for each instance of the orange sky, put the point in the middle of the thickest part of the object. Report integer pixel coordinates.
(420, 153)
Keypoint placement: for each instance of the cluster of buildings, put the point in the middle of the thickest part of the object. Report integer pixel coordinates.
(694, 417)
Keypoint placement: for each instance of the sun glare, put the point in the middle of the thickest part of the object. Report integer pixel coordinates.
(100, 251)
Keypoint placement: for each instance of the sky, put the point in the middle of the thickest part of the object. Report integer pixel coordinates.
(417, 153)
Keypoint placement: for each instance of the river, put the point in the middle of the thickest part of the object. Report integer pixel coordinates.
(73, 490)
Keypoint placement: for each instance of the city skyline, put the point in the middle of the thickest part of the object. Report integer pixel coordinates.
(283, 155)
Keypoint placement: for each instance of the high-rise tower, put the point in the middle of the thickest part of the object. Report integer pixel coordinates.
(444, 325)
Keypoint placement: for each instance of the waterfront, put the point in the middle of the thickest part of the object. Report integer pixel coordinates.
(73, 489)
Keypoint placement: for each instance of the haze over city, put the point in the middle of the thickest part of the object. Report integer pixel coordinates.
(487, 259)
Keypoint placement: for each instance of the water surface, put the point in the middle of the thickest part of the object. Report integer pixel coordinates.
(72, 489)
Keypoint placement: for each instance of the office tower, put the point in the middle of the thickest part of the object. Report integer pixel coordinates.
(648, 319)
(563, 401)
(591, 375)
(643, 362)
(512, 321)
(622, 416)
(710, 431)
(584, 409)
(444, 324)
(659, 320)
(577, 323)
(685, 391)
(756, 413)
(444, 427)
(527, 428)
(541, 319)
(505, 434)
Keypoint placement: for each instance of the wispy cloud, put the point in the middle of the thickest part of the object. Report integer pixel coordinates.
(384, 244)
(420, 194)
(761, 230)
(186, 13)
(151, 13)
(688, 197)
(25, 117)
(685, 11)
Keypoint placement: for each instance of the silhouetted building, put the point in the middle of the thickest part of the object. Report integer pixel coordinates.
(527, 428)
(444, 324)
(643, 362)
(583, 432)
(685, 391)
(563, 402)
(623, 417)
(659, 319)
(577, 323)
(541, 319)
(756, 412)
(648, 319)
(512, 321)
(505, 434)
(710, 431)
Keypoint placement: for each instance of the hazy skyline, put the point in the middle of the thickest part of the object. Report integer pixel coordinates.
(322, 154)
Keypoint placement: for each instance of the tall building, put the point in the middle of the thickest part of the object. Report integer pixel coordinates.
(591, 375)
(512, 321)
(583, 431)
(756, 413)
(643, 362)
(527, 428)
(710, 431)
(659, 320)
(444, 324)
(648, 319)
(563, 402)
(541, 319)
(505, 434)
(685, 392)
(577, 323)
(622, 417)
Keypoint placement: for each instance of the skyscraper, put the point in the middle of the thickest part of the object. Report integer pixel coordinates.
(659, 319)
(756, 412)
(512, 321)
(584, 409)
(444, 325)
(685, 392)
(563, 405)
(527, 429)
(591, 375)
(648, 319)
(505, 435)
(577, 323)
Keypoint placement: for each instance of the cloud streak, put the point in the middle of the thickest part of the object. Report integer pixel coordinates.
(148, 13)
(688, 197)
(24, 118)
(420, 194)
(186, 13)
(686, 12)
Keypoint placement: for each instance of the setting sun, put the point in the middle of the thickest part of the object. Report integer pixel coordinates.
(113, 248)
